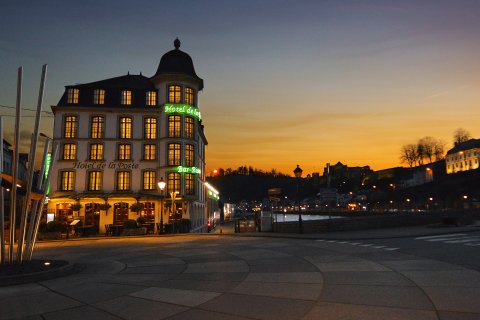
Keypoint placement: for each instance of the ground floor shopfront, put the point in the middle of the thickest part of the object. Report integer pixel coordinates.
(97, 213)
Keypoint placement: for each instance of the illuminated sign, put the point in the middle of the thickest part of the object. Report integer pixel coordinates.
(182, 169)
(183, 109)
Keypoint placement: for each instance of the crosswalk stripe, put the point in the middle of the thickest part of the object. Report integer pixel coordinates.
(440, 236)
(391, 249)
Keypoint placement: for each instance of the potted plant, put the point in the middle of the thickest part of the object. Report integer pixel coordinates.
(141, 220)
(76, 207)
(136, 207)
(131, 228)
(104, 206)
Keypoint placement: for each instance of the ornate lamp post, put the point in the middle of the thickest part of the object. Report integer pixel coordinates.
(161, 186)
(298, 174)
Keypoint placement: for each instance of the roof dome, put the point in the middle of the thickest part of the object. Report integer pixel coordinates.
(177, 62)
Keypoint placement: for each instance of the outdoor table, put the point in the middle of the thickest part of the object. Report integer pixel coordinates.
(116, 229)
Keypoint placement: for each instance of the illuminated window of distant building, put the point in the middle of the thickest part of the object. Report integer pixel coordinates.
(126, 97)
(67, 180)
(95, 180)
(174, 126)
(71, 127)
(189, 96)
(151, 98)
(69, 151)
(123, 180)
(173, 182)
(72, 95)
(174, 154)
(125, 128)
(149, 152)
(150, 128)
(174, 94)
(96, 151)
(99, 96)
(189, 125)
(124, 151)
(149, 180)
(189, 155)
(189, 183)
(97, 127)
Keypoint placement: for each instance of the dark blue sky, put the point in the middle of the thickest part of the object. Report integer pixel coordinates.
(285, 81)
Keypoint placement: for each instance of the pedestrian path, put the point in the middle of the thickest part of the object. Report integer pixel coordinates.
(453, 238)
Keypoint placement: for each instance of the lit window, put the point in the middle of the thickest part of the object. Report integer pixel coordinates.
(96, 130)
(125, 129)
(174, 94)
(189, 155)
(124, 152)
(99, 96)
(69, 151)
(151, 98)
(96, 151)
(72, 95)
(149, 180)
(150, 128)
(67, 180)
(149, 152)
(174, 125)
(174, 154)
(189, 183)
(123, 180)
(173, 182)
(71, 127)
(126, 97)
(189, 124)
(189, 96)
(95, 180)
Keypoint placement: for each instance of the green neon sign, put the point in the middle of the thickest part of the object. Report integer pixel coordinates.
(182, 169)
(183, 109)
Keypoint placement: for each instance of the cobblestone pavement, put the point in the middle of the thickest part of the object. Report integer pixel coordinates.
(225, 277)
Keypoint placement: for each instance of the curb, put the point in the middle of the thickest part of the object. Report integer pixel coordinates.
(40, 276)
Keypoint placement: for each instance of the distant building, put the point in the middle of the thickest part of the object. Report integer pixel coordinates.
(118, 137)
(463, 156)
(341, 170)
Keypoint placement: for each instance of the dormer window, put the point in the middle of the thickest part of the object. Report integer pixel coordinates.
(151, 98)
(126, 97)
(99, 96)
(72, 95)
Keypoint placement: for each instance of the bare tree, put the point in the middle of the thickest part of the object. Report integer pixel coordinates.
(409, 154)
(426, 148)
(439, 150)
(461, 135)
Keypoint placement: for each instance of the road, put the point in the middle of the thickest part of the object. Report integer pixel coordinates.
(234, 278)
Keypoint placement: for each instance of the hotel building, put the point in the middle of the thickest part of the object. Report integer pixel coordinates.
(463, 157)
(118, 137)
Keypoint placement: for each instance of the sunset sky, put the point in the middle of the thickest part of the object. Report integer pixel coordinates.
(286, 82)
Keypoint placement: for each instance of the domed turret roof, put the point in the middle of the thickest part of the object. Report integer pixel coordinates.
(177, 62)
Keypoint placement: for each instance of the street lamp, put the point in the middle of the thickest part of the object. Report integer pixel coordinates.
(161, 186)
(298, 174)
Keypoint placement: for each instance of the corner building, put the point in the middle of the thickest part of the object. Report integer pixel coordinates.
(118, 137)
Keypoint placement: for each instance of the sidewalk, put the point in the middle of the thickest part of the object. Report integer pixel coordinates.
(384, 233)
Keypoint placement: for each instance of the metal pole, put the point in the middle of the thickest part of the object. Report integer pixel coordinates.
(34, 216)
(16, 142)
(2, 200)
(31, 165)
(42, 200)
(161, 212)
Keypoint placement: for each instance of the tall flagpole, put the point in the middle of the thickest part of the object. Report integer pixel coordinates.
(16, 142)
(31, 165)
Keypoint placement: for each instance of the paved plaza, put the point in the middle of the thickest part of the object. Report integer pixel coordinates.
(228, 277)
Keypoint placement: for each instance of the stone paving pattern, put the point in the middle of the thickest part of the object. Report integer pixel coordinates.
(223, 277)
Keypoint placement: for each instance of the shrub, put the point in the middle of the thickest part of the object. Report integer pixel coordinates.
(141, 220)
(55, 226)
(104, 206)
(76, 207)
(130, 223)
(42, 227)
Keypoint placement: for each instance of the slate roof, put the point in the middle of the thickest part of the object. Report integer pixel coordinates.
(467, 145)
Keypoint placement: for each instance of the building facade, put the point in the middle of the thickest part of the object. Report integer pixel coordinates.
(119, 137)
(463, 157)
